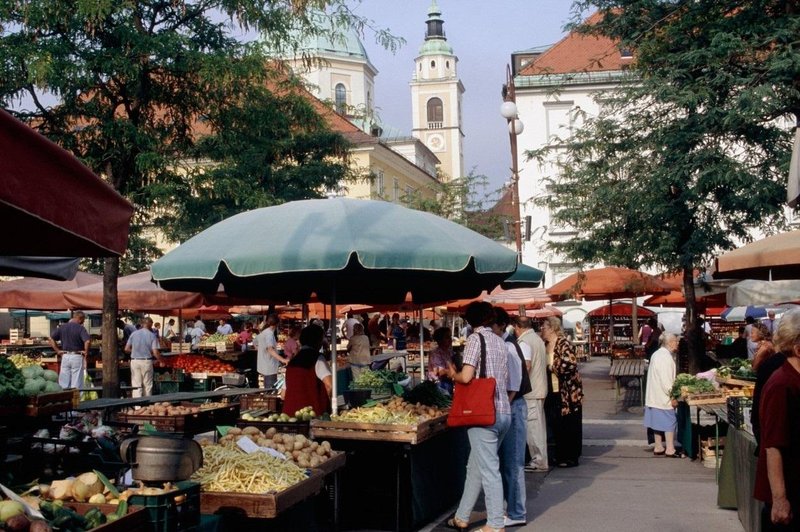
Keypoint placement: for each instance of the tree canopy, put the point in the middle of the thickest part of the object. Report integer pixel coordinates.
(692, 152)
(172, 104)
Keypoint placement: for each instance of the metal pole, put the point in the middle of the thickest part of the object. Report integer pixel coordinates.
(334, 391)
(510, 96)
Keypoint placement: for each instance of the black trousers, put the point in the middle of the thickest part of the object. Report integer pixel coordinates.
(568, 432)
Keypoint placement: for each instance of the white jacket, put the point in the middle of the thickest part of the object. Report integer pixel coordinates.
(660, 376)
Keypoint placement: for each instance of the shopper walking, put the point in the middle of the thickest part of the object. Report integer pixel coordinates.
(143, 348)
(566, 381)
(74, 349)
(483, 465)
(659, 406)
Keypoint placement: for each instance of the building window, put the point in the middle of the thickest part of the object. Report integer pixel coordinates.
(341, 98)
(396, 189)
(435, 113)
(447, 65)
(433, 64)
(379, 183)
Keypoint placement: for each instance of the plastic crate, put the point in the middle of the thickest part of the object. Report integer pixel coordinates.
(201, 385)
(173, 375)
(165, 387)
(173, 511)
(233, 379)
(736, 406)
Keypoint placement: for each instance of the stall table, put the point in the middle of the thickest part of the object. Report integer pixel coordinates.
(418, 481)
(737, 477)
(623, 368)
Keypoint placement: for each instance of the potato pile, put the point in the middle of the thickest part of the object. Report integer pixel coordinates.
(397, 404)
(164, 409)
(296, 447)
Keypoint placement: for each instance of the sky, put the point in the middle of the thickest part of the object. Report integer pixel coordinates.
(483, 35)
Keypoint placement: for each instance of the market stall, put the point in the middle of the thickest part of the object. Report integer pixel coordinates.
(620, 343)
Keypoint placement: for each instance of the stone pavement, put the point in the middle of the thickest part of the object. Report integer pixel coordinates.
(619, 486)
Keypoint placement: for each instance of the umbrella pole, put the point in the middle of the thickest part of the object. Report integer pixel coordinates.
(611, 329)
(421, 348)
(634, 322)
(334, 391)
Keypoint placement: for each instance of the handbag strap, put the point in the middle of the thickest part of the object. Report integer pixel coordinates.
(482, 373)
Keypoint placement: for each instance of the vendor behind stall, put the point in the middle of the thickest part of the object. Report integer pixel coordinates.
(308, 378)
(358, 352)
(143, 348)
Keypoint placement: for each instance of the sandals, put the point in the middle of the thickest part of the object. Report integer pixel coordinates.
(676, 454)
(457, 524)
(662, 452)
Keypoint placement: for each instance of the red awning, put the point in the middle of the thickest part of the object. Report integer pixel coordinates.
(58, 205)
(42, 294)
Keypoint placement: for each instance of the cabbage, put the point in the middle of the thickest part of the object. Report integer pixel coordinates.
(51, 387)
(31, 388)
(50, 375)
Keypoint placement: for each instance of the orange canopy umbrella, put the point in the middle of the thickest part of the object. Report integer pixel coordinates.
(774, 258)
(135, 292)
(608, 283)
(42, 294)
(619, 309)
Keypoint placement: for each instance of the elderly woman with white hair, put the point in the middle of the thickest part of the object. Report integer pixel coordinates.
(659, 406)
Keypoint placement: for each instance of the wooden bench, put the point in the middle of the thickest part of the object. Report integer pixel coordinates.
(622, 368)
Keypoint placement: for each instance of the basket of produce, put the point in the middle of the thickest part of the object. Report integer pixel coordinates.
(264, 420)
(397, 421)
(188, 418)
(233, 379)
(737, 369)
(685, 385)
(380, 382)
(261, 483)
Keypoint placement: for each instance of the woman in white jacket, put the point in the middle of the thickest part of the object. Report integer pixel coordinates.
(659, 407)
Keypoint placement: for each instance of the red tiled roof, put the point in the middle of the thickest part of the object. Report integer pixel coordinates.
(578, 53)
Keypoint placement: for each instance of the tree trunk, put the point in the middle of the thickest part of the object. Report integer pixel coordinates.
(694, 335)
(109, 345)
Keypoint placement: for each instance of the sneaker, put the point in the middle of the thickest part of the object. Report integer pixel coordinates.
(533, 468)
(507, 521)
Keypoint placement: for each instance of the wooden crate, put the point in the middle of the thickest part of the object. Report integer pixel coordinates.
(334, 463)
(180, 347)
(706, 399)
(264, 506)
(202, 421)
(51, 403)
(298, 427)
(135, 519)
(259, 401)
(412, 434)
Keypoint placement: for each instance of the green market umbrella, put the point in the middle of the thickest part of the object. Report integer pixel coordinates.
(343, 250)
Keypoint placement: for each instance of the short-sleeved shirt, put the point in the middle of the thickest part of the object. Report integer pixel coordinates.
(514, 369)
(200, 325)
(142, 342)
(73, 336)
(496, 364)
(197, 336)
(266, 363)
(225, 328)
(780, 404)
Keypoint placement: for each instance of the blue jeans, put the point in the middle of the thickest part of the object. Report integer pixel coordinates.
(71, 373)
(512, 461)
(483, 470)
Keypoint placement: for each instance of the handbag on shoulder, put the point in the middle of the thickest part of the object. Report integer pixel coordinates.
(473, 403)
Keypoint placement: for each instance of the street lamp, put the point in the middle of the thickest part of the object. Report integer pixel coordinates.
(515, 127)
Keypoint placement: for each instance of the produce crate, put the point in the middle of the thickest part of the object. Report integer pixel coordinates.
(298, 427)
(171, 375)
(260, 401)
(263, 506)
(190, 424)
(711, 398)
(412, 434)
(736, 411)
(173, 511)
(180, 347)
(46, 404)
(135, 519)
(708, 446)
(165, 387)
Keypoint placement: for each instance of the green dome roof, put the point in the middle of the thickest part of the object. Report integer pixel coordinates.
(346, 45)
(435, 39)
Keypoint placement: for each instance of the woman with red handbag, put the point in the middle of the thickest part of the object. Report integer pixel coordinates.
(487, 351)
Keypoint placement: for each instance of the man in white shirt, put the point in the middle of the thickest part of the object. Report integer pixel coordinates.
(224, 328)
(537, 371)
(347, 327)
(196, 334)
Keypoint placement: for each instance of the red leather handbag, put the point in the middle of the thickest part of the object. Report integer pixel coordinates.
(473, 403)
